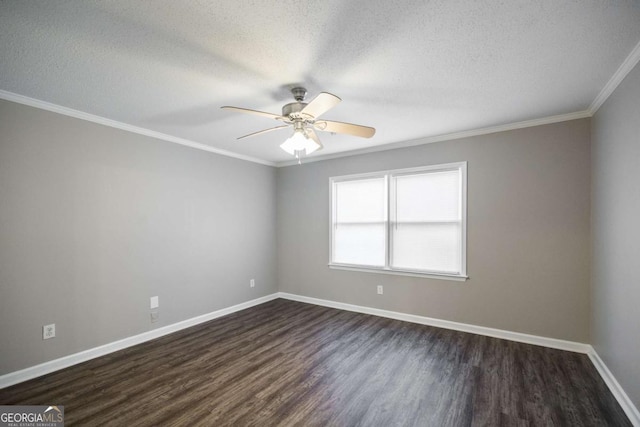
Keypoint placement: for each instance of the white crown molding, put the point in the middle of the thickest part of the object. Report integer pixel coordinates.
(616, 389)
(83, 356)
(446, 137)
(629, 63)
(446, 324)
(32, 102)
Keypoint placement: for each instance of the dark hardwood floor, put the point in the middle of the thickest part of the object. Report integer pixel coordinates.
(287, 363)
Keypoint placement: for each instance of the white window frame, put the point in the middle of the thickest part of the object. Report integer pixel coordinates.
(389, 218)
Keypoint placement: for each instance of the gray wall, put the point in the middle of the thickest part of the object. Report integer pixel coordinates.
(528, 233)
(94, 221)
(615, 320)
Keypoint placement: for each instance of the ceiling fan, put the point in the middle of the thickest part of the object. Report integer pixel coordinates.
(304, 119)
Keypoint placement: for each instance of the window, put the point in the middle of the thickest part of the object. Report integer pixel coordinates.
(410, 221)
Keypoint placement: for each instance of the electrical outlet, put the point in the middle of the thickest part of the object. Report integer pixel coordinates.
(252, 283)
(154, 302)
(379, 289)
(49, 331)
(154, 316)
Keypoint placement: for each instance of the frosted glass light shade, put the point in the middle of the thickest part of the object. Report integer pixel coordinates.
(299, 142)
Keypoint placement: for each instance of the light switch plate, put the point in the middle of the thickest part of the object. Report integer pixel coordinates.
(154, 302)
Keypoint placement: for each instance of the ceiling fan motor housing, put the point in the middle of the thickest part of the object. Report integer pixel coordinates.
(293, 108)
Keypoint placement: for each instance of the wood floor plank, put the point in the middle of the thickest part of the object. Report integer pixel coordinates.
(286, 363)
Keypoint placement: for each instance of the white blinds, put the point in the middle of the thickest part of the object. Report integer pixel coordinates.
(427, 222)
(359, 222)
(410, 220)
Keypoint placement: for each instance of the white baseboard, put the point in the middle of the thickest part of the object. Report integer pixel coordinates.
(446, 324)
(616, 389)
(73, 359)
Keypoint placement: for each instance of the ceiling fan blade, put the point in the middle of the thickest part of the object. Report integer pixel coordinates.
(348, 128)
(256, 112)
(263, 131)
(320, 104)
(314, 136)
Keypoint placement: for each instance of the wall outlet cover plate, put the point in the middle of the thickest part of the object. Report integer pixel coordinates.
(49, 331)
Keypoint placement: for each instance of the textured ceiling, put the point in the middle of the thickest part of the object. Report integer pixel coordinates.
(408, 68)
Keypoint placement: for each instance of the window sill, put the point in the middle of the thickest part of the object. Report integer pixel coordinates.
(456, 278)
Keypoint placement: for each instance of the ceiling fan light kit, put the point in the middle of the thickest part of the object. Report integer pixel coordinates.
(299, 143)
(303, 117)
